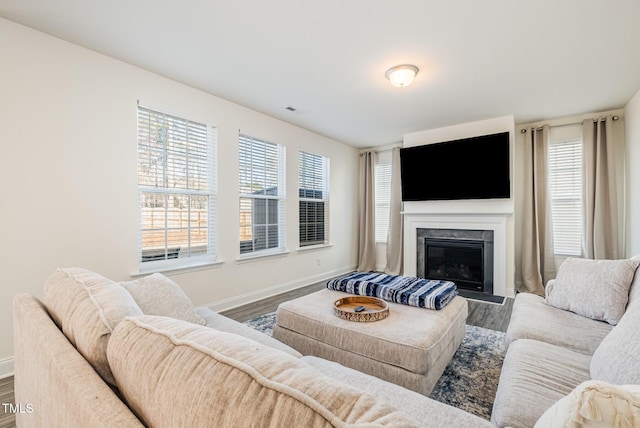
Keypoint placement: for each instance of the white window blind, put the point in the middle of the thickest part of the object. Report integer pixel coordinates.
(262, 195)
(383, 195)
(176, 189)
(565, 183)
(313, 193)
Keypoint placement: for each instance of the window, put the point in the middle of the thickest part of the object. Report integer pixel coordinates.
(565, 184)
(313, 191)
(262, 195)
(383, 195)
(176, 189)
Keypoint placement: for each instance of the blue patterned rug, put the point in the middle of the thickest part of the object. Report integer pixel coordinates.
(470, 380)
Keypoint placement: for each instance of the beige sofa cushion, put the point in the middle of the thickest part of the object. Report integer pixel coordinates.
(87, 307)
(164, 366)
(617, 359)
(595, 404)
(596, 289)
(534, 376)
(533, 318)
(158, 295)
(419, 407)
(228, 325)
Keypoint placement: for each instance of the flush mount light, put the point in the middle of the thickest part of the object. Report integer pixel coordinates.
(401, 75)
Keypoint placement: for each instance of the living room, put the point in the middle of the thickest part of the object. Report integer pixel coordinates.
(70, 175)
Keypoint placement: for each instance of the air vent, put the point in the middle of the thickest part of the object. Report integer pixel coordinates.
(291, 108)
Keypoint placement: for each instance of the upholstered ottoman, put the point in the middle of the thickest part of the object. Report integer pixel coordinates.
(411, 347)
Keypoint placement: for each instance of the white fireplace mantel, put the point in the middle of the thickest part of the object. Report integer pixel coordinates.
(500, 223)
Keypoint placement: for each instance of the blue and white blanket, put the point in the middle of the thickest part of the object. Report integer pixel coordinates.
(407, 290)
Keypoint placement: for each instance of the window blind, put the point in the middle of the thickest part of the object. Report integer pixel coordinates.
(262, 195)
(313, 193)
(176, 189)
(565, 184)
(382, 197)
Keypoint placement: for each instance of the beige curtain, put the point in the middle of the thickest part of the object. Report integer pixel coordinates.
(395, 234)
(366, 213)
(538, 265)
(601, 202)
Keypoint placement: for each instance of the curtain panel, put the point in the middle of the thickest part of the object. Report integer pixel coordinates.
(366, 213)
(600, 190)
(538, 264)
(395, 235)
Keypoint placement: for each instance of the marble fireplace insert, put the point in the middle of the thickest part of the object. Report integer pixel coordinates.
(463, 256)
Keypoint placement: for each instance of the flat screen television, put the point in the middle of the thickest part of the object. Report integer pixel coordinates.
(470, 168)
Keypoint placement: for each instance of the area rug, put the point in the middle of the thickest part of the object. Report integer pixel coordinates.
(470, 380)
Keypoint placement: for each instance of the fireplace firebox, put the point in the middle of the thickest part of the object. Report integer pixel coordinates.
(459, 255)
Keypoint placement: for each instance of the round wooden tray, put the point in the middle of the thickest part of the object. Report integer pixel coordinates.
(374, 309)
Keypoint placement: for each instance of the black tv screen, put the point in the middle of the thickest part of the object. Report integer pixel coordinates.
(470, 168)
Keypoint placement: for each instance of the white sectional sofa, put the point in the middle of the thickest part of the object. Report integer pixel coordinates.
(99, 353)
(552, 350)
(89, 357)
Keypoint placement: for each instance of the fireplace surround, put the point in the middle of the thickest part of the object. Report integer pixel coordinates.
(500, 223)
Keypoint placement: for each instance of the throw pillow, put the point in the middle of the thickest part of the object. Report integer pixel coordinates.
(87, 307)
(616, 360)
(596, 289)
(158, 295)
(595, 404)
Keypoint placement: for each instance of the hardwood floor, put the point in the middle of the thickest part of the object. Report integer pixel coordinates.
(481, 314)
(7, 420)
(269, 304)
(490, 315)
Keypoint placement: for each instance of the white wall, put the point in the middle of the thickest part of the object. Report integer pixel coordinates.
(632, 135)
(68, 177)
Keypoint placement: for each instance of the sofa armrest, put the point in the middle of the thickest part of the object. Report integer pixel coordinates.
(53, 382)
(549, 287)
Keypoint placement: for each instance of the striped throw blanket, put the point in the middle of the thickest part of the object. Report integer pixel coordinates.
(419, 292)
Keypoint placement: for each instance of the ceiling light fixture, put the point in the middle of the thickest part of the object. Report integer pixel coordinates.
(401, 75)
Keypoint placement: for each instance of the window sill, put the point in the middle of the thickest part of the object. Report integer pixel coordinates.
(260, 256)
(314, 247)
(181, 268)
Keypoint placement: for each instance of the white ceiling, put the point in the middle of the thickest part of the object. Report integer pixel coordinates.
(327, 58)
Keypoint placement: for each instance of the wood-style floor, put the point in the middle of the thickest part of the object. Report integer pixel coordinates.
(7, 420)
(490, 315)
(481, 314)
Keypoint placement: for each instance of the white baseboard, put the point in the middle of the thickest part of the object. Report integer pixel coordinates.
(254, 296)
(6, 367)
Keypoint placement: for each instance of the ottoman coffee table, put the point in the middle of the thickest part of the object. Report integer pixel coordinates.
(411, 347)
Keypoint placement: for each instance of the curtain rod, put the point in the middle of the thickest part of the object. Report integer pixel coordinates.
(602, 119)
(381, 149)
